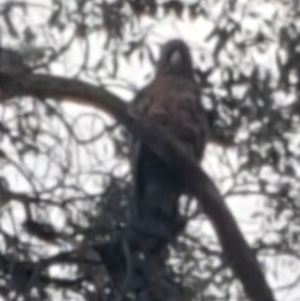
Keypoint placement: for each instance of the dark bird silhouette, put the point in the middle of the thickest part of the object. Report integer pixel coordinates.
(171, 100)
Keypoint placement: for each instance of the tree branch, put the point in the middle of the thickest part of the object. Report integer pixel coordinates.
(236, 250)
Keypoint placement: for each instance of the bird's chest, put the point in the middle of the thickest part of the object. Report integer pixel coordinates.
(175, 106)
(170, 104)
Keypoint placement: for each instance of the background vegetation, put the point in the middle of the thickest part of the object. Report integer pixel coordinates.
(65, 180)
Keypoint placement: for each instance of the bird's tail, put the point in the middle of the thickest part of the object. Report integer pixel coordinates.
(155, 218)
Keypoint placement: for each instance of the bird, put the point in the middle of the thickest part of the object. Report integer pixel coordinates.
(172, 101)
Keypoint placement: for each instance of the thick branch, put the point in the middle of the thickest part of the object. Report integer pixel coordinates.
(236, 250)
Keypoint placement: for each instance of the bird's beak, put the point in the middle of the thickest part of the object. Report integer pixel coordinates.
(176, 58)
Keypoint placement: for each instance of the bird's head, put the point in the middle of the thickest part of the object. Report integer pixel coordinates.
(175, 60)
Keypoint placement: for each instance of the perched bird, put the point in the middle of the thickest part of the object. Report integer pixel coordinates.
(172, 101)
